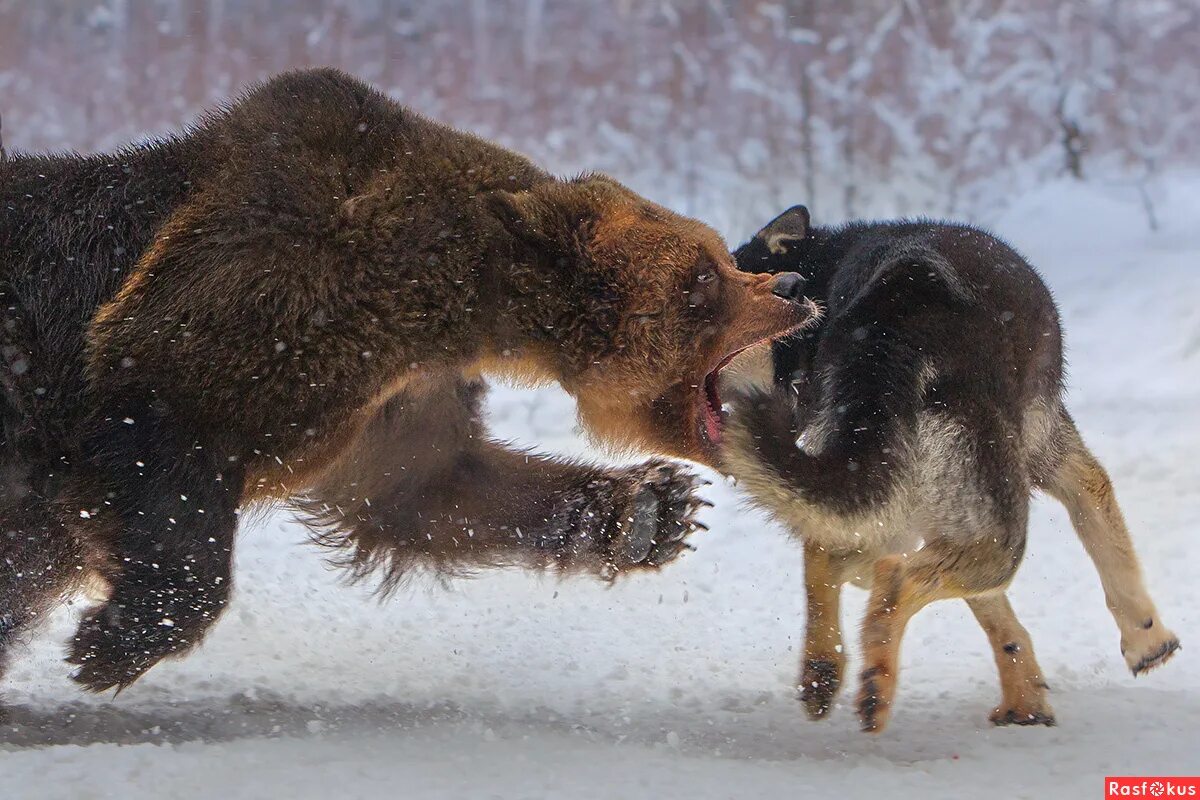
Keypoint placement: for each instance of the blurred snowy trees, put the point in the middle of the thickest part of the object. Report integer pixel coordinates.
(726, 110)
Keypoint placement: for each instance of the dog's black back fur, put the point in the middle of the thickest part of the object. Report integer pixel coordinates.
(918, 315)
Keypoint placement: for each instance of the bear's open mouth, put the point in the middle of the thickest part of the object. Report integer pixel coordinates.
(712, 416)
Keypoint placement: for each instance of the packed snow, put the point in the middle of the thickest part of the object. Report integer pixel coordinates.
(681, 684)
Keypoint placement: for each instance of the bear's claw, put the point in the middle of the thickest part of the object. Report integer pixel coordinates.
(659, 516)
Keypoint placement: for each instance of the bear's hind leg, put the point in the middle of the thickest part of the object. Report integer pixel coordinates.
(41, 563)
(168, 518)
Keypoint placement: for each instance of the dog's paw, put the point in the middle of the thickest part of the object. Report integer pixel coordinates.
(1148, 647)
(656, 514)
(874, 701)
(1034, 714)
(1156, 658)
(819, 685)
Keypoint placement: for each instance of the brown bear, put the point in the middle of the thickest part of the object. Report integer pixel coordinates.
(294, 301)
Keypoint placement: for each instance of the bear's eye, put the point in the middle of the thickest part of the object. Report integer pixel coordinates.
(703, 291)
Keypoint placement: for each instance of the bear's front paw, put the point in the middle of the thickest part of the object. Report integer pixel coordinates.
(656, 512)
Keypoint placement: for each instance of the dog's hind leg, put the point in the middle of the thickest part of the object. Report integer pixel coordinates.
(824, 656)
(40, 564)
(1083, 486)
(903, 585)
(1023, 688)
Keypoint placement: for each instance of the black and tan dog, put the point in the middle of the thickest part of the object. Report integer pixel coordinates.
(294, 301)
(901, 440)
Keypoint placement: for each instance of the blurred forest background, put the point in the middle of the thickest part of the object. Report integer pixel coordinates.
(725, 110)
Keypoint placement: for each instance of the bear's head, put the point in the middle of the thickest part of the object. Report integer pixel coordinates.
(634, 310)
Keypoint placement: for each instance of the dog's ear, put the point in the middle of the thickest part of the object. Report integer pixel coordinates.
(521, 213)
(789, 227)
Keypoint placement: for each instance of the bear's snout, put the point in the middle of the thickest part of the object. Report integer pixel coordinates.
(789, 286)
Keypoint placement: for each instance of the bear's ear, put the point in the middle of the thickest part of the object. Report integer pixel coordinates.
(789, 227)
(520, 213)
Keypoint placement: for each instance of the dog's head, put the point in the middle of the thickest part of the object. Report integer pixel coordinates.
(776, 247)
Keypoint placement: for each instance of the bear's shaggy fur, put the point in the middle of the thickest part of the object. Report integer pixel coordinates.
(294, 301)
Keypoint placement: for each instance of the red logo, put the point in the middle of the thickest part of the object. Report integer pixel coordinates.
(1126, 786)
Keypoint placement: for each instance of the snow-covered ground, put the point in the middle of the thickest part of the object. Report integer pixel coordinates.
(680, 684)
